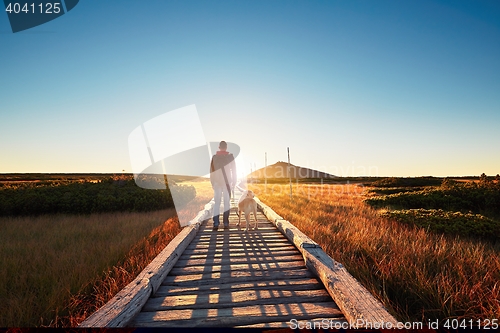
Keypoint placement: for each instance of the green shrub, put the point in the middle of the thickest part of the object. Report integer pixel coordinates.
(394, 190)
(407, 182)
(441, 221)
(481, 197)
(108, 195)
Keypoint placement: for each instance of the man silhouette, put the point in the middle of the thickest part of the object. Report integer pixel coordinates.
(223, 179)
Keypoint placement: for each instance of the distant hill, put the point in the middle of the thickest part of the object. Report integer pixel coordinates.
(279, 170)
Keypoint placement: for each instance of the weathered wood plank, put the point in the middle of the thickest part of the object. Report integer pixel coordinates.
(229, 317)
(123, 307)
(249, 237)
(292, 283)
(311, 324)
(234, 230)
(258, 245)
(252, 267)
(355, 301)
(219, 300)
(270, 214)
(238, 276)
(236, 254)
(236, 260)
(291, 232)
(266, 250)
(271, 232)
(239, 242)
(297, 237)
(203, 214)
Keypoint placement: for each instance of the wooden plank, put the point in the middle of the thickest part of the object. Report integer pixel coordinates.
(243, 236)
(235, 254)
(236, 260)
(229, 317)
(295, 283)
(237, 276)
(258, 245)
(241, 241)
(355, 301)
(234, 230)
(270, 214)
(311, 324)
(204, 214)
(158, 269)
(216, 236)
(219, 300)
(208, 251)
(212, 268)
(261, 232)
(297, 237)
(122, 308)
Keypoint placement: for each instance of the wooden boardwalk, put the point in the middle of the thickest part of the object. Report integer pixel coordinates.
(232, 278)
(236, 278)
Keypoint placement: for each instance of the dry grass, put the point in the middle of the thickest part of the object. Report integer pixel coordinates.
(417, 275)
(85, 303)
(46, 259)
(58, 269)
(102, 289)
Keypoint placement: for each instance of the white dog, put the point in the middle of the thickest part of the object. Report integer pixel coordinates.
(248, 205)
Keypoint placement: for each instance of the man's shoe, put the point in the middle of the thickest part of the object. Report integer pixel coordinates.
(215, 228)
(226, 227)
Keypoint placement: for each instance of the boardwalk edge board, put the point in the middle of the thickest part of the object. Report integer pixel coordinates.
(359, 306)
(127, 303)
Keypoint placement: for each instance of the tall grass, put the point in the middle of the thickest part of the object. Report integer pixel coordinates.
(58, 269)
(105, 287)
(46, 259)
(101, 289)
(418, 275)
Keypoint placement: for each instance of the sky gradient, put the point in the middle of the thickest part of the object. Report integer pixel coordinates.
(354, 88)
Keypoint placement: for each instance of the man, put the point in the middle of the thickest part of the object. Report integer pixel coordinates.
(223, 179)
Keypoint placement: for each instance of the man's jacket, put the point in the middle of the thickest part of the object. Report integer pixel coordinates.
(223, 161)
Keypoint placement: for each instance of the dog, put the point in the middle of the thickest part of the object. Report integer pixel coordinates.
(248, 205)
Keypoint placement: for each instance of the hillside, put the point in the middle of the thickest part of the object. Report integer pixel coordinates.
(279, 170)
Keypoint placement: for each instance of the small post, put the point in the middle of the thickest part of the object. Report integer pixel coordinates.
(265, 174)
(251, 175)
(289, 172)
(164, 173)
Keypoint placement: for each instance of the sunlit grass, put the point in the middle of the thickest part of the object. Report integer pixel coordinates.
(104, 288)
(58, 269)
(46, 259)
(418, 275)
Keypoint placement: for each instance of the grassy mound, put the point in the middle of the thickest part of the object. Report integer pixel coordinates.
(442, 221)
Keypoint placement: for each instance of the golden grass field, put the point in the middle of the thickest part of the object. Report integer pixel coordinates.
(58, 269)
(46, 259)
(416, 274)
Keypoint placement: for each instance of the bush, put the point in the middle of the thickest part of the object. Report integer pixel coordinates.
(107, 195)
(407, 182)
(448, 222)
(394, 190)
(481, 197)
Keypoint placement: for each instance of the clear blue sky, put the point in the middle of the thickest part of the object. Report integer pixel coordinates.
(381, 88)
